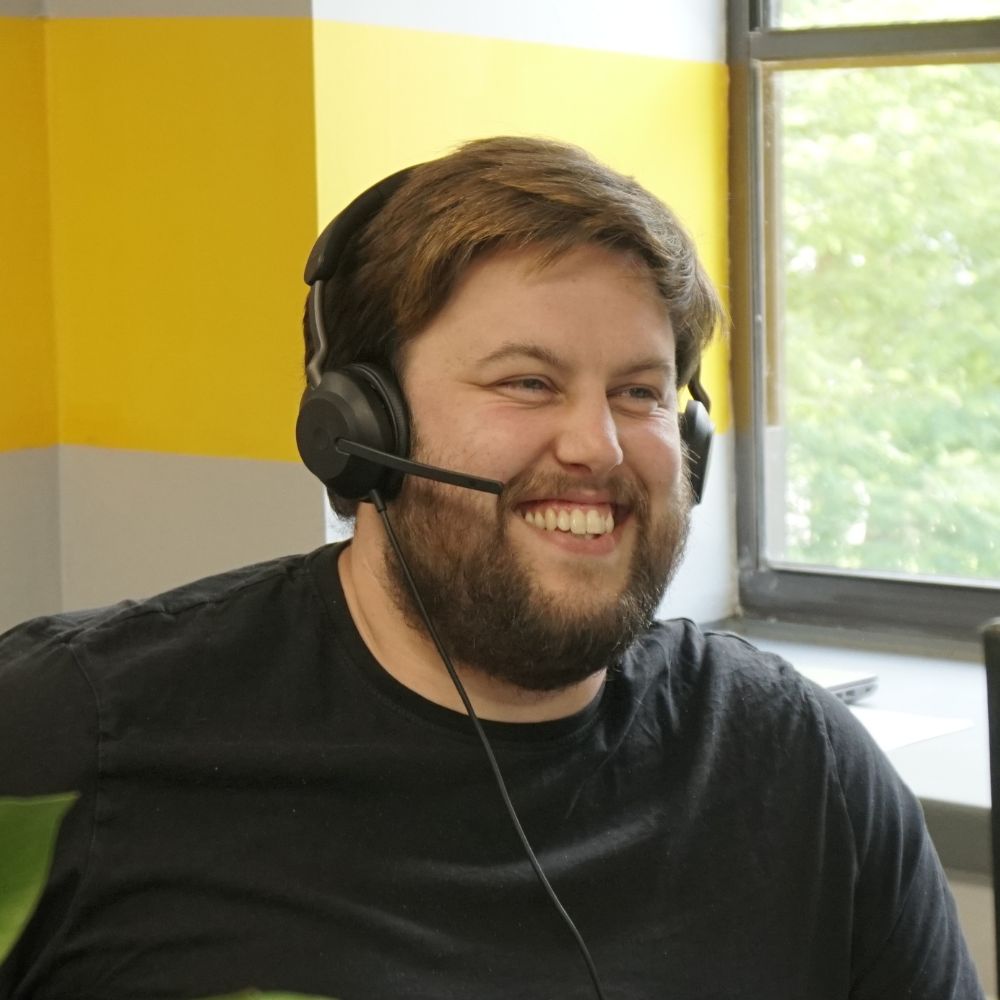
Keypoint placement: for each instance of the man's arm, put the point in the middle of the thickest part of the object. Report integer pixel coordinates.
(907, 939)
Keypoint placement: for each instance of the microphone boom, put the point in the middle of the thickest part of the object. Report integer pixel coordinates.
(409, 468)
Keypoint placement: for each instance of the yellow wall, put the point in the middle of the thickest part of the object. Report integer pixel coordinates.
(388, 97)
(27, 347)
(183, 179)
(185, 158)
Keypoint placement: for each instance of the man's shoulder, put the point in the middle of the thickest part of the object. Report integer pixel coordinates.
(207, 658)
(222, 604)
(719, 680)
(689, 654)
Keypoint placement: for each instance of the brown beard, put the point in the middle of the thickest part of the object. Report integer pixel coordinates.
(489, 613)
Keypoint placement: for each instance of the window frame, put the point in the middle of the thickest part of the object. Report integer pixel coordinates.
(825, 596)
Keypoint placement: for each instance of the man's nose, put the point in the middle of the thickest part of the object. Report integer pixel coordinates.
(587, 436)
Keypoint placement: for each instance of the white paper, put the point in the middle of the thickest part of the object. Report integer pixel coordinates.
(892, 730)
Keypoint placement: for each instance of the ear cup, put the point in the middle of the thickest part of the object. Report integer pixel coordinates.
(361, 403)
(696, 432)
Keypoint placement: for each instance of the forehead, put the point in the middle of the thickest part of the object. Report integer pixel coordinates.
(591, 305)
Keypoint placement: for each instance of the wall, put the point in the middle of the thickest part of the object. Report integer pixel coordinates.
(147, 424)
(29, 513)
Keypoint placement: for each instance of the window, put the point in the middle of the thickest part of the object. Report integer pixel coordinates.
(865, 171)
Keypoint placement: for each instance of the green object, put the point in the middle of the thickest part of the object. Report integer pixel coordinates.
(28, 829)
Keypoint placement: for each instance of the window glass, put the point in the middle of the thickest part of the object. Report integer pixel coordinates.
(882, 444)
(832, 13)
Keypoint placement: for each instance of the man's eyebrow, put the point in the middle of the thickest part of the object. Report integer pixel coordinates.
(516, 350)
(654, 363)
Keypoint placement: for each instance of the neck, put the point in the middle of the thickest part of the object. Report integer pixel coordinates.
(409, 655)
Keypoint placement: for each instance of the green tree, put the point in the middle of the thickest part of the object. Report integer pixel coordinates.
(890, 229)
(810, 14)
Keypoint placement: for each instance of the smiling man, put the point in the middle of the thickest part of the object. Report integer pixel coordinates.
(280, 782)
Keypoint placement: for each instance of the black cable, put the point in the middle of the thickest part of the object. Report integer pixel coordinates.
(379, 505)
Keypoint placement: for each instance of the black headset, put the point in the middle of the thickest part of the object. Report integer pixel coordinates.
(353, 428)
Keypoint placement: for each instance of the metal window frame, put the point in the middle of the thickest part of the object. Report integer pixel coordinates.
(779, 591)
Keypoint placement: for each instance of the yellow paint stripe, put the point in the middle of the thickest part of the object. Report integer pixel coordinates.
(184, 179)
(27, 344)
(183, 174)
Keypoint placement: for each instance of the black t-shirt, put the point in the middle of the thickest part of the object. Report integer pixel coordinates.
(263, 805)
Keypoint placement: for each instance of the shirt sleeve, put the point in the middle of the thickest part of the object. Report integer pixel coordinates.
(48, 744)
(907, 942)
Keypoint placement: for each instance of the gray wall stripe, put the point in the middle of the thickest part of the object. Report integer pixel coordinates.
(22, 8)
(83, 526)
(30, 575)
(135, 522)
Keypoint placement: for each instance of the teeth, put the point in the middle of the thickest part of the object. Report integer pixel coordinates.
(576, 521)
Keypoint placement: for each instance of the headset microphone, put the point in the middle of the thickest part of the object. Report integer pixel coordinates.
(411, 468)
(353, 432)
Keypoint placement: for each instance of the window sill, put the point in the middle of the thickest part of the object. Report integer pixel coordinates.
(930, 677)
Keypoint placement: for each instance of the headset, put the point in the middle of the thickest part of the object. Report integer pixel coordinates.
(353, 427)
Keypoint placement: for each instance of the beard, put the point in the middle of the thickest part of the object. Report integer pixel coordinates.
(492, 616)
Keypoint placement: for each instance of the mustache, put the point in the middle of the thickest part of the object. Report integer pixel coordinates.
(621, 490)
(619, 487)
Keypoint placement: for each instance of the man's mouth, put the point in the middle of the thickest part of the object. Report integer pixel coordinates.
(576, 519)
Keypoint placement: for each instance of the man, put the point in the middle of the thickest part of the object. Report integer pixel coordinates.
(280, 784)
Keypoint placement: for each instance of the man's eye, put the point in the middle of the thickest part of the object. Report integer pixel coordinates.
(638, 399)
(527, 384)
(639, 393)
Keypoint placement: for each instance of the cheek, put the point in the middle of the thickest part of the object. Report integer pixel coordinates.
(480, 443)
(654, 455)
(508, 447)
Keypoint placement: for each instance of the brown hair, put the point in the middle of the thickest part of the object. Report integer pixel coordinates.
(509, 192)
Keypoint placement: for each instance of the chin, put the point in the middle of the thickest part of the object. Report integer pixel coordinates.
(577, 576)
(581, 592)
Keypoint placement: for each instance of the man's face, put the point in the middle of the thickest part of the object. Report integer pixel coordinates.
(558, 381)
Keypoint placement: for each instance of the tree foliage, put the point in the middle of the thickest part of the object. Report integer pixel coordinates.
(829, 13)
(890, 282)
